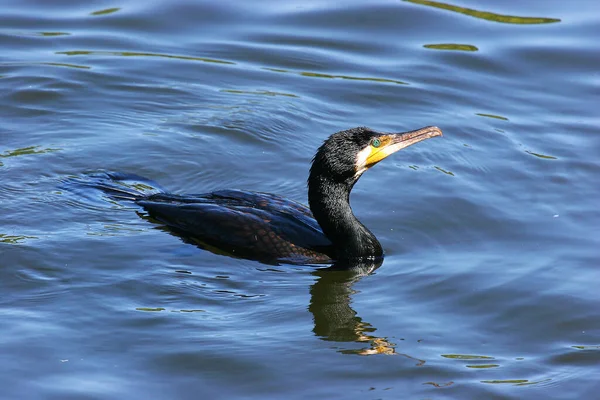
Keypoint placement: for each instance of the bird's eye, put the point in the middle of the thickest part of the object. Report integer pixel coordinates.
(375, 142)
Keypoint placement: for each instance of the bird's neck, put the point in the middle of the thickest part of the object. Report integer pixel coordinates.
(330, 204)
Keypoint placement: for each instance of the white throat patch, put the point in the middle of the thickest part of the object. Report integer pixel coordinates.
(361, 161)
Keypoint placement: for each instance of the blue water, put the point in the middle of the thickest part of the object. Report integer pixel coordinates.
(490, 284)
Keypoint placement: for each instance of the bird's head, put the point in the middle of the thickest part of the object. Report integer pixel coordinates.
(346, 155)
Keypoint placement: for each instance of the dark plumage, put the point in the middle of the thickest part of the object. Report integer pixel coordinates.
(270, 228)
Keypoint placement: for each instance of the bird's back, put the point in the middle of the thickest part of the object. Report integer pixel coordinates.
(246, 224)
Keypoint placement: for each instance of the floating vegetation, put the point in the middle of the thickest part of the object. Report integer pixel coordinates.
(216, 61)
(138, 54)
(52, 34)
(38, 34)
(488, 16)
(14, 239)
(53, 64)
(26, 151)
(451, 46)
(329, 76)
(439, 385)
(467, 357)
(541, 155)
(533, 382)
(483, 366)
(589, 347)
(516, 382)
(492, 116)
(354, 78)
(447, 173)
(106, 11)
(258, 92)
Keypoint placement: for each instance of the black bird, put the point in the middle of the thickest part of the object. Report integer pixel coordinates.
(270, 228)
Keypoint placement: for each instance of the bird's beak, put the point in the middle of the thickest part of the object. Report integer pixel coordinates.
(392, 142)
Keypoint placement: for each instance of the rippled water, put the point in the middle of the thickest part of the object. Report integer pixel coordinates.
(490, 284)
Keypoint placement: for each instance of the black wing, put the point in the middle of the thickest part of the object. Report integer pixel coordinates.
(252, 225)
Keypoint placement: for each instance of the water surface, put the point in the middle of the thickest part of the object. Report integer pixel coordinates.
(489, 288)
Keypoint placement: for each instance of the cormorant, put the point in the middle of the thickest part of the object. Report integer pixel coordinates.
(270, 228)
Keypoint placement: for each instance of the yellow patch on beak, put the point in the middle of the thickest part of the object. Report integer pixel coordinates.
(382, 146)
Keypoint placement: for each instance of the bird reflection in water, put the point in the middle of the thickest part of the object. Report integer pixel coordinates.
(335, 319)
